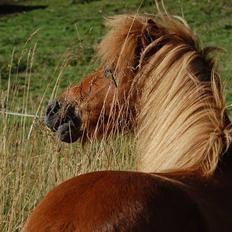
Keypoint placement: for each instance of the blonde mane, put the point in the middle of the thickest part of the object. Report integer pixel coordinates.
(182, 120)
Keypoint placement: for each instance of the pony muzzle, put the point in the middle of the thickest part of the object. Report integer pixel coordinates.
(64, 121)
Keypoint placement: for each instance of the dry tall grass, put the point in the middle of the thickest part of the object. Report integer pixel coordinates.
(33, 161)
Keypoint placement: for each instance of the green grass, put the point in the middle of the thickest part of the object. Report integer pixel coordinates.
(57, 44)
(73, 30)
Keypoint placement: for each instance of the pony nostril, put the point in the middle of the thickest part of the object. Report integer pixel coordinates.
(53, 108)
(52, 118)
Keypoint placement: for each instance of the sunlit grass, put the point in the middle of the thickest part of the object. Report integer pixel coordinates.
(33, 160)
(31, 167)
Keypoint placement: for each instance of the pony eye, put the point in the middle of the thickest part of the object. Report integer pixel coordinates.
(108, 73)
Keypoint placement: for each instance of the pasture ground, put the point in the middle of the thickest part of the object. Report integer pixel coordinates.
(45, 50)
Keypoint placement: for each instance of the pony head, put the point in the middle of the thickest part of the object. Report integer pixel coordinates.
(105, 101)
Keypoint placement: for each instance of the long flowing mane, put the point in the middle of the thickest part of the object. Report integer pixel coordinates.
(183, 124)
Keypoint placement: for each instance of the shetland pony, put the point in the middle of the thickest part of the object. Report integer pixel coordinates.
(184, 142)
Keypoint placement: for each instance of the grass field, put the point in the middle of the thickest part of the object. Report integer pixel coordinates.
(45, 50)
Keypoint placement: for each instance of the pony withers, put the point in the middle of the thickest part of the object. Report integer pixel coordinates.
(184, 143)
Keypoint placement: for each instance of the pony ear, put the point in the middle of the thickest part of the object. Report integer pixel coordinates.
(150, 31)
